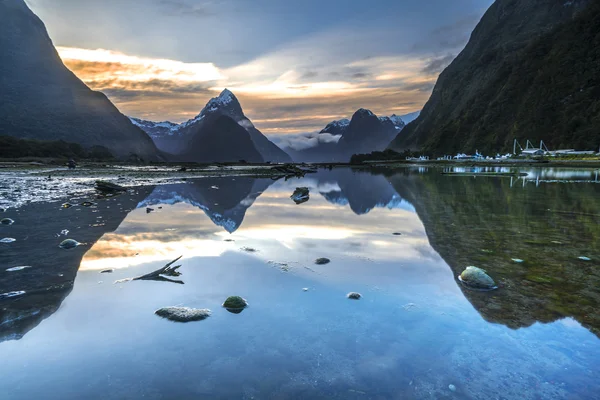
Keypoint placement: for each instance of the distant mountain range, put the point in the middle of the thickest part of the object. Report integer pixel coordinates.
(201, 139)
(364, 133)
(212, 137)
(41, 99)
(529, 71)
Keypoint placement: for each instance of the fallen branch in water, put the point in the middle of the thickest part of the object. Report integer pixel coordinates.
(291, 171)
(160, 274)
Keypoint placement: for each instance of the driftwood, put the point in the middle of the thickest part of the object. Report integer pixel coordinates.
(291, 171)
(160, 274)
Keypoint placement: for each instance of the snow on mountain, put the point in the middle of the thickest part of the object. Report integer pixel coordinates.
(167, 128)
(408, 118)
(397, 121)
(340, 127)
(156, 129)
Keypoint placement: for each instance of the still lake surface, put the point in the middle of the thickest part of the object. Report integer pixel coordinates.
(68, 331)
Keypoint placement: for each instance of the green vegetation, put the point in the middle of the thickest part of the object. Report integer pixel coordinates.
(11, 147)
(524, 75)
(386, 155)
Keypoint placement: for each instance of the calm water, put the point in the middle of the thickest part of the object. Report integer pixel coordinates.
(417, 333)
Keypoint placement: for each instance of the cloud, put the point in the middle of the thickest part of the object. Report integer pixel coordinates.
(303, 141)
(449, 37)
(437, 65)
(183, 8)
(106, 65)
(279, 100)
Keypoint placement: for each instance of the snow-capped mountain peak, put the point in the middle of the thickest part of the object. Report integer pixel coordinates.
(225, 99)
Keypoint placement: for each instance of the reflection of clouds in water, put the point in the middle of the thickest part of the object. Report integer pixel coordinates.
(361, 246)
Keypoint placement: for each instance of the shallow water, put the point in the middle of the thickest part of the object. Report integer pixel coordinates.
(70, 332)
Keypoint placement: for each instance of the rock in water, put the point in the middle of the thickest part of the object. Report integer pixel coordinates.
(235, 304)
(183, 314)
(477, 278)
(322, 261)
(301, 195)
(584, 258)
(104, 186)
(354, 296)
(7, 221)
(107, 271)
(68, 244)
(7, 240)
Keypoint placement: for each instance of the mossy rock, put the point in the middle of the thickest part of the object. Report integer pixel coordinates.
(354, 296)
(183, 314)
(235, 304)
(477, 278)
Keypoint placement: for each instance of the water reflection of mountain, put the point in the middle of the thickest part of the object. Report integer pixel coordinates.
(51, 273)
(362, 191)
(223, 199)
(487, 223)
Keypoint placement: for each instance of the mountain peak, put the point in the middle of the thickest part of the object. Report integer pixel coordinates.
(226, 96)
(226, 99)
(364, 111)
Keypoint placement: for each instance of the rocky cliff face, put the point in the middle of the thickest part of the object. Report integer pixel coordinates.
(41, 99)
(529, 71)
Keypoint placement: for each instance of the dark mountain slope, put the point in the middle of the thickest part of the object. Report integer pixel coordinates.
(530, 71)
(365, 133)
(221, 139)
(41, 99)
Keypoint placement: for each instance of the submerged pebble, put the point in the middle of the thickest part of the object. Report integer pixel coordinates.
(517, 260)
(583, 258)
(67, 205)
(322, 261)
(7, 240)
(249, 249)
(354, 296)
(68, 244)
(7, 221)
(107, 271)
(452, 387)
(397, 234)
(477, 278)
(183, 314)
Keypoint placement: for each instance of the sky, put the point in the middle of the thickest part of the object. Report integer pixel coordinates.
(294, 65)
